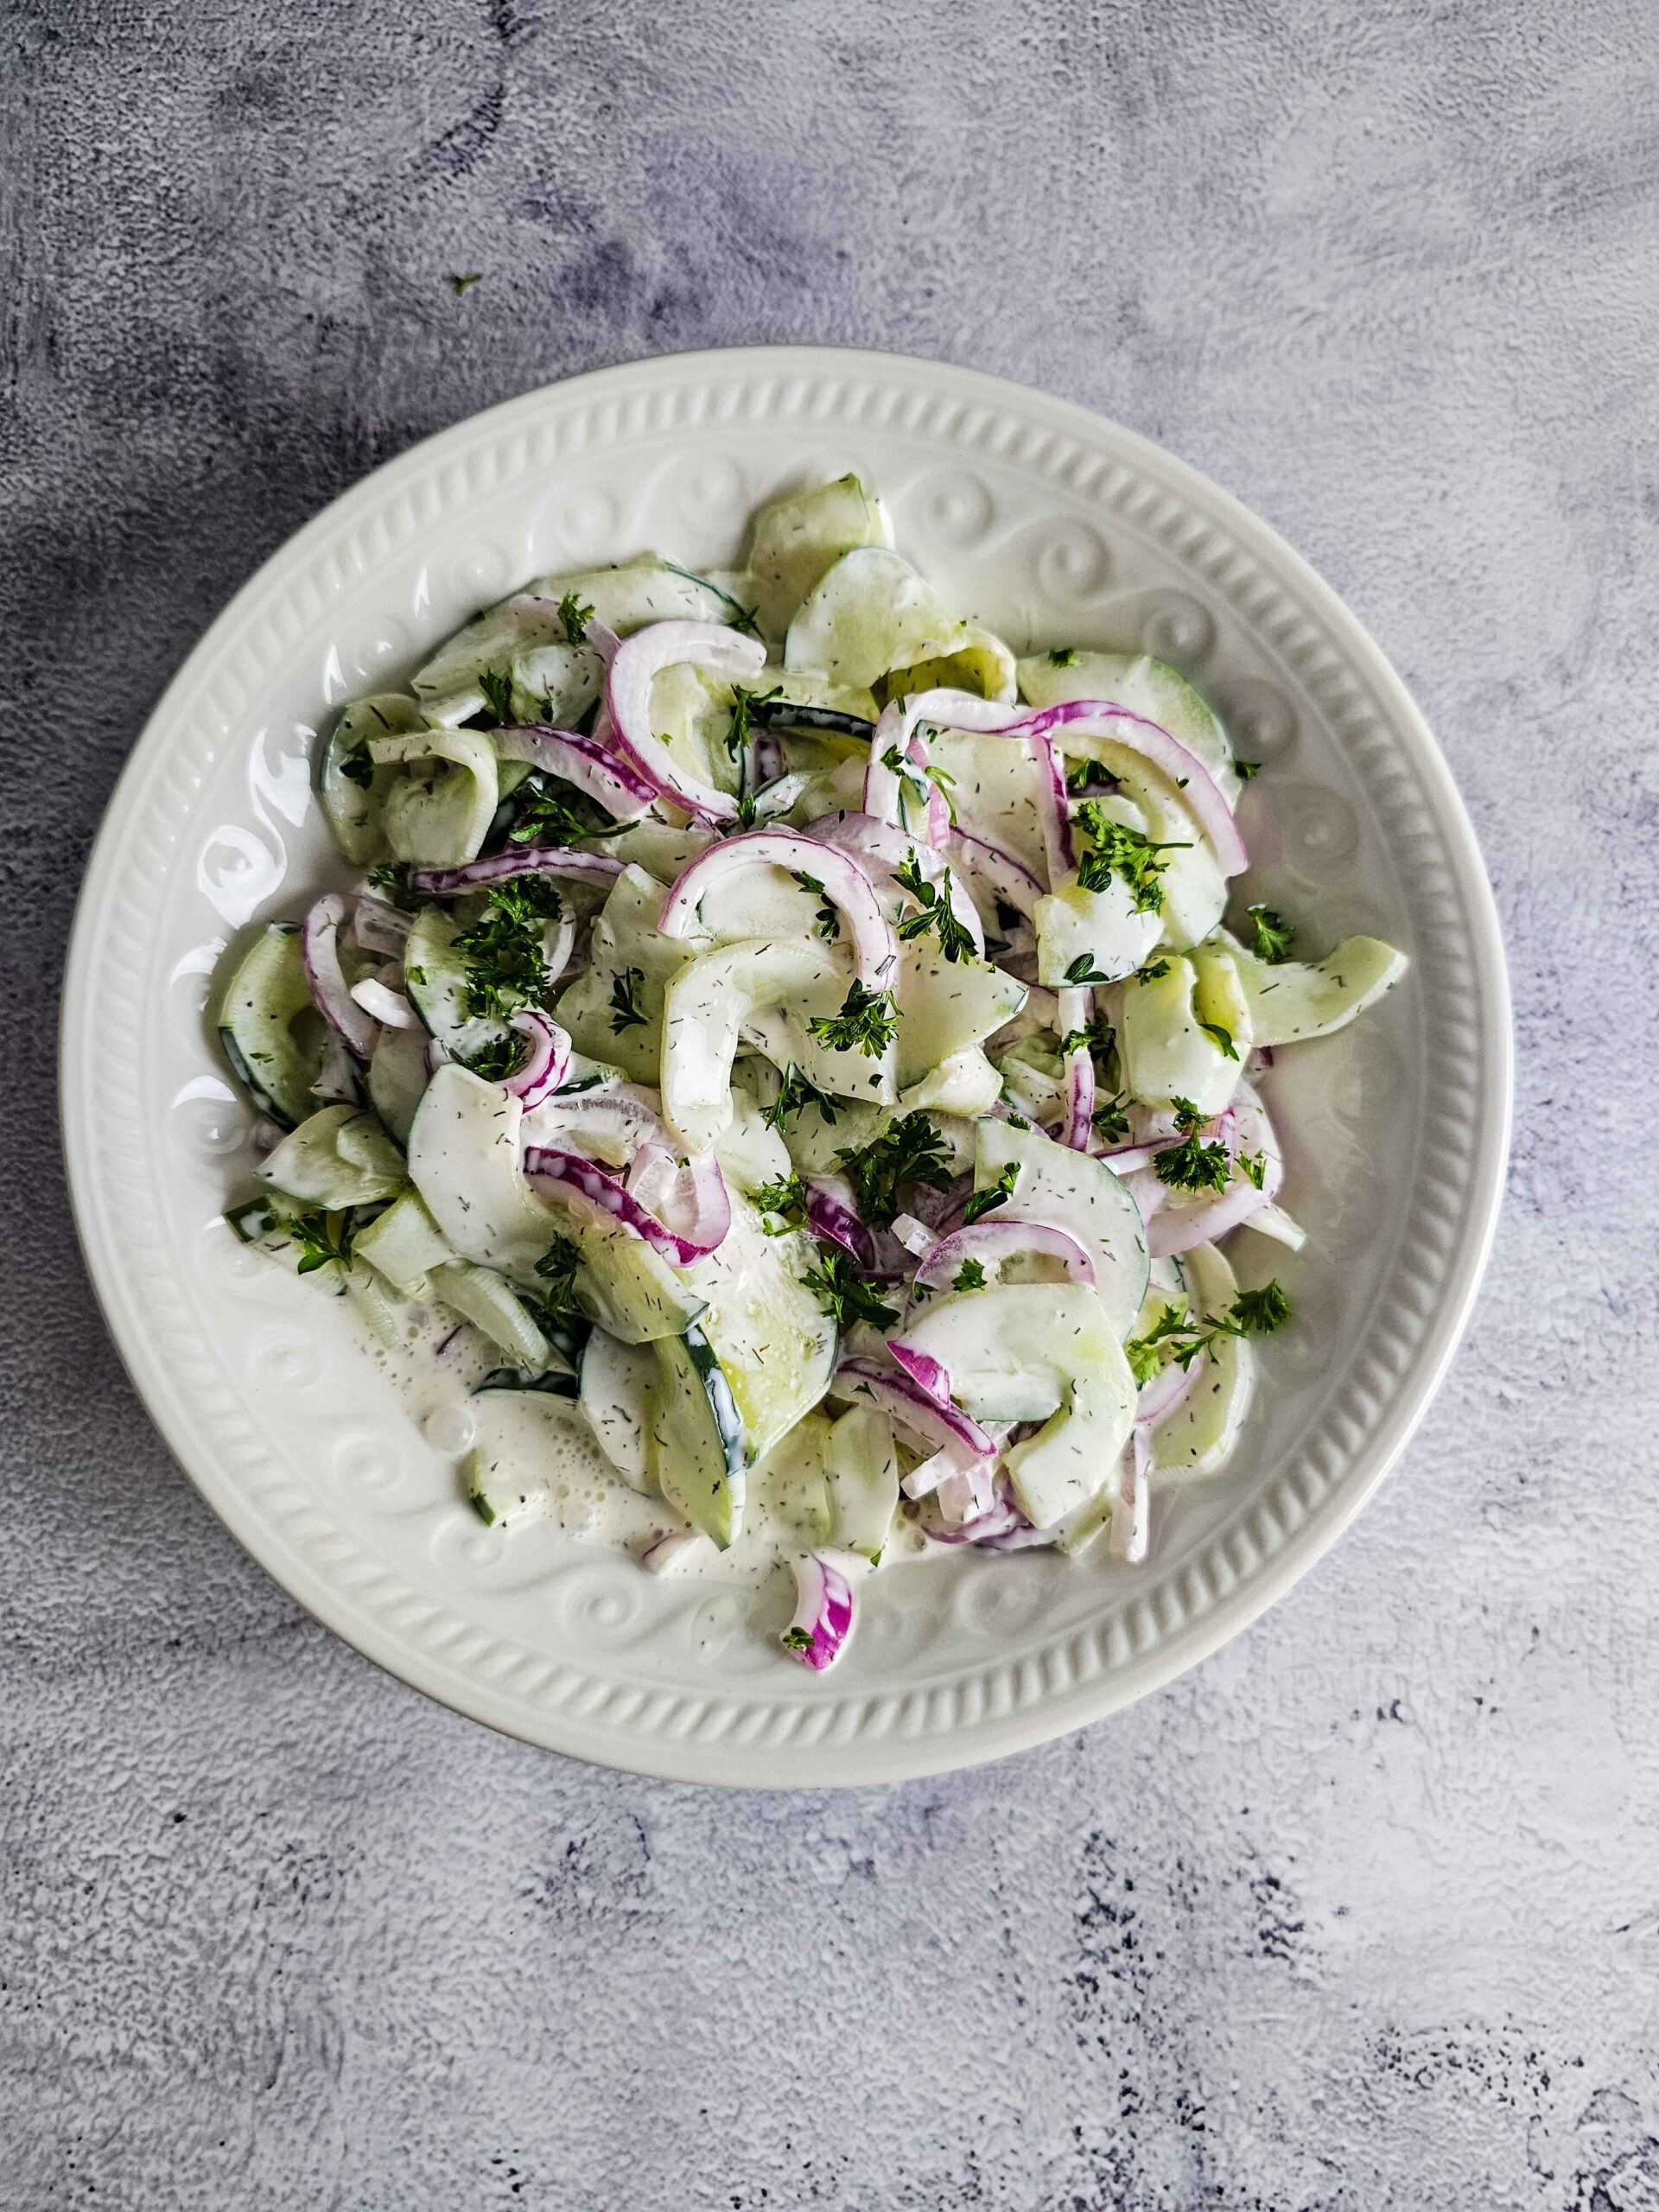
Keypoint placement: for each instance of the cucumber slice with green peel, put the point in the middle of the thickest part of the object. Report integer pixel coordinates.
(498, 1489)
(435, 979)
(480, 1296)
(255, 1221)
(1065, 1189)
(490, 642)
(351, 786)
(696, 1452)
(438, 812)
(1198, 1435)
(632, 592)
(775, 1343)
(556, 684)
(711, 1001)
(871, 622)
(861, 1468)
(615, 1387)
(1291, 1000)
(1186, 1032)
(404, 1244)
(269, 1026)
(629, 964)
(1044, 1352)
(662, 849)
(796, 539)
(396, 1079)
(1149, 688)
(369, 1301)
(340, 1157)
(843, 714)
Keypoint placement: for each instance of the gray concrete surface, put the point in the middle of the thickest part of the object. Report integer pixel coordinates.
(1365, 1912)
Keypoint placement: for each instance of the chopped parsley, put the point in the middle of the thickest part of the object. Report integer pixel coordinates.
(866, 1023)
(1097, 1039)
(496, 1059)
(1271, 935)
(506, 956)
(547, 816)
(392, 881)
(460, 284)
(357, 767)
(740, 728)
(575, 615)
(842, 1291)
(322, 1238)
(1246, 769)
(797, 1639)
(796, 1094)
(1175, 1336)
(785, 1197)
(934, 910)
(970, 1276)
(1192, 1165)
(1111, 1121)
(1255, 1165)
(828, 921)
(497, 694)
(1062, 655)
(1152, 972)
(624, 1002)
(919, 777)
(993, 1196)
(909, 1152)
(1090, 776)
(1127, 854)
(557, 1269)
(1222, 1038)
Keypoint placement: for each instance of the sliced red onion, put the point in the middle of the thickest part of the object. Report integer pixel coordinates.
(1076, 1008)
(883, 787)
(1054, 809)
(627, 696)
(389, 1008)
(436, 1054)
(377, 926)
(1131, 1508)
(1164, 1393)
(831, 1212)
(999, 1237)
(921, 1367)
(1003, 1517)
(765, 758)
(443, 1350)
(891, 848)
(846, 884)
(622, 1116)
(319, 949)
(572, 1171)
(1006, 877)
(934, 1421)
(690, 1199)
(1197, 788)
(599, 773)
(522, 860)
(548, 1062)
(824, 1611)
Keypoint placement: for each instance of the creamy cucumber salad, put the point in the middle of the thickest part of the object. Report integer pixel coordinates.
(785, 1084)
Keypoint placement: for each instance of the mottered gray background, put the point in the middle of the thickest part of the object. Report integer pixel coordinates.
(1365, 1912)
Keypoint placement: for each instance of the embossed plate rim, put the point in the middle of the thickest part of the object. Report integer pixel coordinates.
(819, 1740)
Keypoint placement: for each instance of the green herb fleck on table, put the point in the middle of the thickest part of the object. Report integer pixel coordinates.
(460, 284)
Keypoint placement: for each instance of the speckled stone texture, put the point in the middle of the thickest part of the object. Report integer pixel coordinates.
(1364, 1912)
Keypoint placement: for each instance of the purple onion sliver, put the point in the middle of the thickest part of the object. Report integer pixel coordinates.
(937, 1422)
(548, 1062)
(830, 1213)
(525, 859)
(594, 770)
(325, 979)
(574, 1172)
(823, 1620)
(627, 698)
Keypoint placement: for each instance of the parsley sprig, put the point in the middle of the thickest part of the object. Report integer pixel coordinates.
(828, 921)
(796, 1094)
(1128, 854)
(786, 1198)
(498, 695)
(1271, 935)
(970, 1276)
(505, 957)
(1175, 1336)
(866, 1023)
(547, 816)
(557, 1269)
(933, 911)
(1192, 1165)
(993, 1196)
(920, 778)
(322, 1238)
(625, 1000)
(575, 615)
(909, 1153)
(843, 1292)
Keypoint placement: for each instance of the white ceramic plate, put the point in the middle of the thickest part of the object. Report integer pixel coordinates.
(1056, 527)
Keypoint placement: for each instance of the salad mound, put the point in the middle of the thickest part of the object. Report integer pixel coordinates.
(792, 1029)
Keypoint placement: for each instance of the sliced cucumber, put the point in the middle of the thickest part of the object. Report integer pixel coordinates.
(1199, 1434)
(646, 589)
(773, 1338)
(1066, 1189)
(696, 1449)
(464, 1159)
(371, 1304)
(266, 998)
(1103, 929)
(843, 714)
(872, 620)
(630, 965)
(616, 1380)
(1146, 687)
(438, 812)
(964, 1083)
(493, 640)
(397, 1079)
(556, 684)
(709, 1004)
(691, 713)
(946, 1007)
(799, 536)
(663, 849)
(1294, 1000)
(480, 1296)
(497, 1488)
(351, 786)
(340, 1157)
(750, 1151)
(436, 980)
(860, 1467)
(994, 793)
(404, 1244)
(1038, 1351)
(1185, 1033)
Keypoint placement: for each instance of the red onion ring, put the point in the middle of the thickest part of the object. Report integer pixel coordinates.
(1076, 1006)
(549, 1059)
(831, 1213)
(628, 699)
(934, 1421)
(525, 859)
(573, 1171)
(846, 884)
(823, 1613)
(998, 1238)
(320, 951)
(593, 768)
